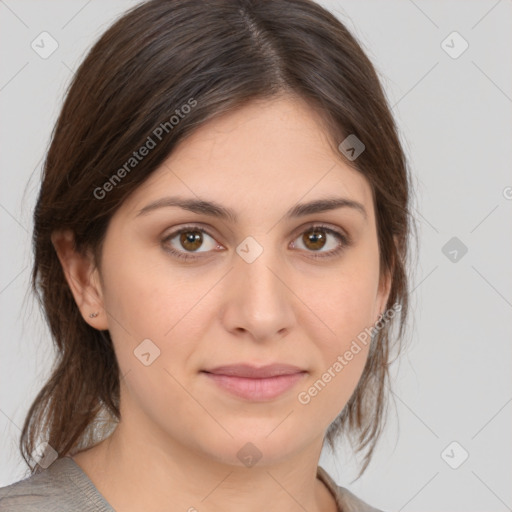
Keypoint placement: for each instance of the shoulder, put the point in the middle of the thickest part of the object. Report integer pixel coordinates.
(346, 501)
(56, 488)
(30, 494)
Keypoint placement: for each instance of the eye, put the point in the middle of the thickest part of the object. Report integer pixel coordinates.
(190, 238)
(316, 238)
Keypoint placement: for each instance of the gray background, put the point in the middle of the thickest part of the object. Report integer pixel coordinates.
(453, 382)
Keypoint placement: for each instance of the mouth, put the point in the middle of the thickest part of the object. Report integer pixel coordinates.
(258, 384)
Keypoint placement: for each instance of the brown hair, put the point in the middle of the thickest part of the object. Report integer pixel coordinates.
(158, 57)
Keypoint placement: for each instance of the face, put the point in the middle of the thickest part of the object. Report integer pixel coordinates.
(185, 291)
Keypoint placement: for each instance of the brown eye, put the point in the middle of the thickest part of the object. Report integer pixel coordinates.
(314, 239)
(317, 238)
(186, 241)
(191, 240)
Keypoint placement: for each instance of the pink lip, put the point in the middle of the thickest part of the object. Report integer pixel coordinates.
(256, 384)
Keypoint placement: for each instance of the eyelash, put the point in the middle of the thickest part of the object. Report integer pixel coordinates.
(343, 239)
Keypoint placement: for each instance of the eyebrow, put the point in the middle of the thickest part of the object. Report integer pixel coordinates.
(214, 209)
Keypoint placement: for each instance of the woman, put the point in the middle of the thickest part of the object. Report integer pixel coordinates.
(220, 239)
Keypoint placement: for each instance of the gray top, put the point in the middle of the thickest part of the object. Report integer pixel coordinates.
(63, 487)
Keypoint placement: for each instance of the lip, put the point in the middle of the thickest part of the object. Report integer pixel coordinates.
(256, 383)
(255, 372)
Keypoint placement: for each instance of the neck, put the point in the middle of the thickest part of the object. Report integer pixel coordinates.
(135, 472)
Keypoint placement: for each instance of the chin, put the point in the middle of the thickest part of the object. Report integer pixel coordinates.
(264, 443)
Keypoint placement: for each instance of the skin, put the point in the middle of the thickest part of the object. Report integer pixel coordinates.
(176, 445)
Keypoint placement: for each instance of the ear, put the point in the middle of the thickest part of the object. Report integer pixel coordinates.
(383, 294)
(83, 279)
(384, 290)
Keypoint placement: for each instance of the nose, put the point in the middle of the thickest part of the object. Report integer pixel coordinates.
(259, 303)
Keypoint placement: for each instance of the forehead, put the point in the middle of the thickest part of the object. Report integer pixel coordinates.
(266, 156)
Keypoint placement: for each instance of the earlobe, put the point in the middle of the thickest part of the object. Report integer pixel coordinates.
(82, 277)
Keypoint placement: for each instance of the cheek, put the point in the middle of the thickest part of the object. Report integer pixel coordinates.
(329, 391)
(147, 300)
(145, 296)
(342, 356)
(347, 304)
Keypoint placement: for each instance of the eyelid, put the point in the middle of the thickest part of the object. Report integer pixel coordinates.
(343, 237)
(324, 225)
(188, 227)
